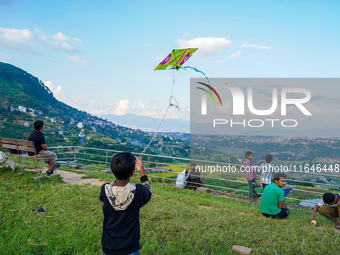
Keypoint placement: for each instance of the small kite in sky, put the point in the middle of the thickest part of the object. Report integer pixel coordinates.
(176, 59)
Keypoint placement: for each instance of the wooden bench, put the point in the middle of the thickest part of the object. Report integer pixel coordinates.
(20, 146)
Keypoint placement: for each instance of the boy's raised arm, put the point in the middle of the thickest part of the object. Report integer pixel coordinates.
(140, 168)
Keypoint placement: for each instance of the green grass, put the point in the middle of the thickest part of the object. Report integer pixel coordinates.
(175, 221)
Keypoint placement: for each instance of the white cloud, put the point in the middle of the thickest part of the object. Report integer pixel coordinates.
(122, 107)
(60, 36)
(237, 55)
(36, 42)
(15, 35)
(55, 90)
(248, 45)
(206, 45)
(66, 46)
(77, 59)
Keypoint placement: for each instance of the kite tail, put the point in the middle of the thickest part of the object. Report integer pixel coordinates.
(196, 70)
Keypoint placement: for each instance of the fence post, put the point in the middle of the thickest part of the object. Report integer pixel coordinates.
(107, 153)
(74, 156)
(203, 175)
(147, 169)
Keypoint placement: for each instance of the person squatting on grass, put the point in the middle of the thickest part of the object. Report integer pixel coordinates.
(42, 151)
(329, 207)
(122, 202)
(193, 177)
(250, 170)
(267, 170)
(272, 198)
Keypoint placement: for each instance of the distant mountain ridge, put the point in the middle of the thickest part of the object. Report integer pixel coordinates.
(151, 124)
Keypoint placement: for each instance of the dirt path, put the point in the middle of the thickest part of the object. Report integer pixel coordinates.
(75, 178)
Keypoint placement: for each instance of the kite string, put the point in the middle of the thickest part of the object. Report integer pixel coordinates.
(167, 109)
(171, 104)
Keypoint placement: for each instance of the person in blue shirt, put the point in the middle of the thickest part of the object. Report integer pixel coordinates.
(267, 171)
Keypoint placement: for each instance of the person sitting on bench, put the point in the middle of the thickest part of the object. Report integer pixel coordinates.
(38, 138)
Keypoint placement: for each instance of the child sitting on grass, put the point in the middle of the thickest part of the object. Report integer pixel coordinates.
(272, 198)
(122, 202)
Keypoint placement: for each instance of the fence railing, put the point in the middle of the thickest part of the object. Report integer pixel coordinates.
(305, 184)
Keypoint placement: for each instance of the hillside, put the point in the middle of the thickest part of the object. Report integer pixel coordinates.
(21, 88)
(176, 221)
(24, 99)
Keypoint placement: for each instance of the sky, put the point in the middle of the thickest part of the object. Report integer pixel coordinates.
(100, 56)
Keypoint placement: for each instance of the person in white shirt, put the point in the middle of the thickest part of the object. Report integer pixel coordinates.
(329, 207)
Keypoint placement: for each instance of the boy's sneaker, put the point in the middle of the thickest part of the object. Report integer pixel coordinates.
(49, 173)
(56, 166)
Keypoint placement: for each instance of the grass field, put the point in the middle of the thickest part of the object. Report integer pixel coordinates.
(175, 221)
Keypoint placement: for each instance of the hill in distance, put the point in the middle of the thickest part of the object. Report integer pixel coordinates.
(149, 124)
(17, 87)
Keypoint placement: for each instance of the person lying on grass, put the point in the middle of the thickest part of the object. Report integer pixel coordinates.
(329, 207)
(272, 198)
(122, 202)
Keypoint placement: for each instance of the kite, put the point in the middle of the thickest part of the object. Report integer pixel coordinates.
(176, 59)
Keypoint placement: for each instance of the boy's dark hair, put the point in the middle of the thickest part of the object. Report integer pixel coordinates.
(122, 165)
(278, 176)
(248, 153)
(38, 124)
(269, 158)
(328, 198)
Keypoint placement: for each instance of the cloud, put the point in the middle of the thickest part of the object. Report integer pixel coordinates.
(60, 36)
(55, 90)
(15, 35)
(77, 59)
(207, 45)
(248, 45)
(18, 40)
(122, 107)
(36, 43)
(237, 55)
(61, 46)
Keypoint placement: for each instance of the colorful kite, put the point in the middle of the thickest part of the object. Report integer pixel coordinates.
(176, 59)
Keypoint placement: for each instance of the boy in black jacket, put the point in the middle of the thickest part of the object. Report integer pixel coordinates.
(122, 201)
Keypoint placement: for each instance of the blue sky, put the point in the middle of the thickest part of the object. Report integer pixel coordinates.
(99, 56)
